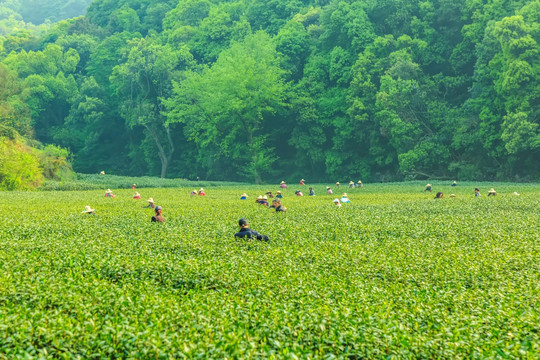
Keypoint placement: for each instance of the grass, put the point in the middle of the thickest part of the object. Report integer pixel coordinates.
(394, 273)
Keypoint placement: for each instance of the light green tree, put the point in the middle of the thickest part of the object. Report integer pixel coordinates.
(226, 105)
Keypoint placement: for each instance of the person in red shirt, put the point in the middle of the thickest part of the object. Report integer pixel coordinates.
(137, 196)
(201, 192)
(283, 185)
(302, 182)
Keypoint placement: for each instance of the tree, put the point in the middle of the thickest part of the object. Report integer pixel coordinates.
(144, 80)
(225, 106)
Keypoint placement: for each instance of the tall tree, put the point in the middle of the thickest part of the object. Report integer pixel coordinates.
(226, 105)
(145, 80)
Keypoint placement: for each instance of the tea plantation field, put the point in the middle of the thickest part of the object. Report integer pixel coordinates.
(393, 274)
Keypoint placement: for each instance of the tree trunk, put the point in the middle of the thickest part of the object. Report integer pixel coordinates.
(164, 157)
(256, 175)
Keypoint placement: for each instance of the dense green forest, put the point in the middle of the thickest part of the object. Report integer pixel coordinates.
(260, 90)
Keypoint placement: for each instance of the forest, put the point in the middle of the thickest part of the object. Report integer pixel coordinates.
(265, 90)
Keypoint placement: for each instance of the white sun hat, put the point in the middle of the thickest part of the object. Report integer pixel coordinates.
(516, 193)
(109, 191)
(336, 200)
(151, 200)
(88, 209)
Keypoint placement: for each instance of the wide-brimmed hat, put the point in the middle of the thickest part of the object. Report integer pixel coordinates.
(359, 181)
(278, 192)
(351, 182)
(492, 190)
(88, 209)
(516, 193)
(134, 185)
(194, 191)
(109, 191)
(336, 200)
(344, 194)
(150, 200)
(328, 187)
(137, 193)
(455, 182)
(102, 173)
(452, 195)
(283, 182)
(244, 194)
(201, 189)
(337, 183)
(302, 180)
(265, 197)
(260, 197)
(428, 185)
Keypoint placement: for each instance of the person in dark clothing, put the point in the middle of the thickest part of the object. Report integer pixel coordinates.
(159, 215)
(428, 188)
(311, 192)
(439, 195)
(454, 183)
(278, 206)
(151, 204)
(246, 233)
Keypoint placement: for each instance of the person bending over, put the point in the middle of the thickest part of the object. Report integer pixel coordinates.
(278, 206)
(246, 233)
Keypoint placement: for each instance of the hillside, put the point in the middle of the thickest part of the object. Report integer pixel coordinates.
(256, 90)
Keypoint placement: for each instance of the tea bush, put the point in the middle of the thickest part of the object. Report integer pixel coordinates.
(395, 273)
(94, 182)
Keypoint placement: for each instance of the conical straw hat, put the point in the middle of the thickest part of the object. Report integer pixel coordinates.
(88, 209)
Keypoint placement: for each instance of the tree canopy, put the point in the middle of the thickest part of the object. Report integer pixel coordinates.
(260, 90)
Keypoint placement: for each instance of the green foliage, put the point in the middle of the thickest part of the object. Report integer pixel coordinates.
(55, 163)
(19, 166)
(394, 273)
(228, 104)
(382, 90)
